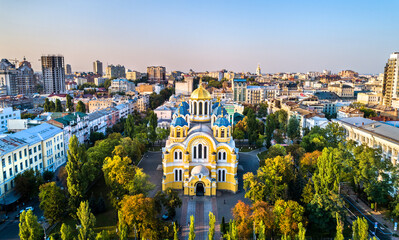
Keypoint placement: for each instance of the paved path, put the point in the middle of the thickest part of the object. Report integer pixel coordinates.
(199, 207)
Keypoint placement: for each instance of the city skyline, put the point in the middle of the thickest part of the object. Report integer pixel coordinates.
(281, 37)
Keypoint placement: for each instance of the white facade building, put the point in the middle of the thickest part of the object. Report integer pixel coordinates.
(5, 115)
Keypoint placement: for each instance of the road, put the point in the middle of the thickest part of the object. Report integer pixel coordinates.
(10, 229)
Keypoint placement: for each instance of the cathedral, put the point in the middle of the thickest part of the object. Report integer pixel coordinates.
(200, 156)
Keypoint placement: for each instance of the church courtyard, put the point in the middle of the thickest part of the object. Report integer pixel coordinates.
(199, 207)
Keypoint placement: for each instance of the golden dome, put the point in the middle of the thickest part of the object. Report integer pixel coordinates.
(200, 93)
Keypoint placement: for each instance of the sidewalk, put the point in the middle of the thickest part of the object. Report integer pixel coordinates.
(377, 215)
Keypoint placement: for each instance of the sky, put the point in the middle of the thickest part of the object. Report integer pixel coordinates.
(281, 36)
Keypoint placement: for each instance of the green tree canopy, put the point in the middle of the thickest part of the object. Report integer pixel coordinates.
(52, 201)
(29, 227)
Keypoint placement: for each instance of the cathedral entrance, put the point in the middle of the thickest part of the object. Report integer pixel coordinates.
(199, 189)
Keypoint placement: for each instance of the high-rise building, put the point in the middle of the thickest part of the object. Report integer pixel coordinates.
(68, 69)
(98, 67)
(390, 85)
(133, 75)
(258, 71)
(117, 71)
(53, 73)
(25, 78)
(156, 73)
(239, 89)
(8, 78)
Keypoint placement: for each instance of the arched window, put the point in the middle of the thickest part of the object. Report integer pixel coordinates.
(205, 152)
(199, 151)
(206, 108)
(222, 133)
(222, 156)
(195, 152)
(178, 133)
(195, 108)
(200, 108)
(178, 175)
(178, 156)
(221, 175)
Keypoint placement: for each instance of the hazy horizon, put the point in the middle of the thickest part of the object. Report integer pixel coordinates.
(204, 36)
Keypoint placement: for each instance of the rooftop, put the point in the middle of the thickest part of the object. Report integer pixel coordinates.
(38, 133)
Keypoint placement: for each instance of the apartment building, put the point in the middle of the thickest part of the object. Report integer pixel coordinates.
(5, 115)
(390, 85)
(117, 71)
(369, 98)
(239, 89)
(121, 85)
(374, 134)
(99, 104)
(40, 148)
(156, 73)
(53, 74)
(342, 90)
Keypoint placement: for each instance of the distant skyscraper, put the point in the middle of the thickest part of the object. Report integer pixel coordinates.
(156, 73)
(258, 71)
(390, 85)
(53, 74)
(8, 78)
(117, 71)
(68, 69)
(25, 78)
(98, 67)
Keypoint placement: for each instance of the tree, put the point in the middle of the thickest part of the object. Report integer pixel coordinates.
(242, 217)
(103, 235)
(261, 231)
(153, 123)
(274, 151)
(66, 232)
(293, 129)
(191, 234)
(58, 106)
(262, 110)
(308, 192)
(238, 134)
(87, 222)
(282, 117)
(252, 127)
(139, 211)
(129, 126)
(271, 125)
(122, 227)
(308, 162)
(52, 201)
(360, 229)
(103, 149)
(339, 235)
(301, 232)
(288, 216)
(212, 221)
(79, 172)
(81, 107)
(69, 103)
(29, 227)
(95, 136)
(48, 175)
(27, 183)
(49, 106)
(175, 232)
(232, 234)
(123, 178)
(170, 200)
(262, 214)
(271, 181)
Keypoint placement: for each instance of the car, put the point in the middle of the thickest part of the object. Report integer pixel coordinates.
(165, 217)
(29, 208)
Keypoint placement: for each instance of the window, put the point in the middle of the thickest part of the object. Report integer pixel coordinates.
(3, 162)
(178, 175)
(9, 159)
(222, 155)
(206, 108)
(34, 149)
(195, 151)
(200, 151)
(15, 157)
(200, 108)
(21, 166)
(30, 151)
(30, 161)
(221, 175)
(10, 170)
(25, 152)
(4, 175)
(40, 147)
(40, 156)
(35, 158)
(26, 163)
(40, 165)
(20, 154)
(5, 187)
(16, 169)
(178, 156)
